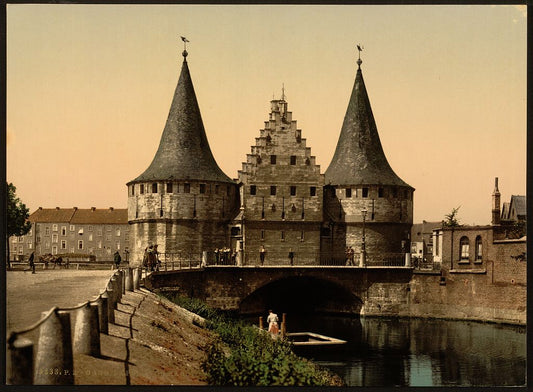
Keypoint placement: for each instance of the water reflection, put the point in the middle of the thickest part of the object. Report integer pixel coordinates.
(417, 352)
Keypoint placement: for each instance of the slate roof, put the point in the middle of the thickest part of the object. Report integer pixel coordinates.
(184, 152)
(359, 158)
(519, 204)
(75, 215)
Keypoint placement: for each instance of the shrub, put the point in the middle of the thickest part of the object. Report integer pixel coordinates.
(243, 355)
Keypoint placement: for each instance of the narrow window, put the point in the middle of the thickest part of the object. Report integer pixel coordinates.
(464, 248)
(394, 192)
(307, 161)
(293, 190)
(302, 235)
(216, 189)
(187, 188)
(202, 188)
(293, 159)
(282, 235)
(253, 190)
(80, 244)
(479, 249)
(272, 159)
(133, 190)
(262, 234)
(380, 192)
(142, 189)
(154, 187)
(348, 192)
(312, 191)
(272, 190)
(63, 230)
(169, 187)
(365, 192)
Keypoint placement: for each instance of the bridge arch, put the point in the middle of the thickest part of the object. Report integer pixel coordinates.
(301, 294)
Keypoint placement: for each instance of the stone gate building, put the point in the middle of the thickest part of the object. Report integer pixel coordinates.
(185, 203)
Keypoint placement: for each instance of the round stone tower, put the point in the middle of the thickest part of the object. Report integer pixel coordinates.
(366, 205)
(183, 201)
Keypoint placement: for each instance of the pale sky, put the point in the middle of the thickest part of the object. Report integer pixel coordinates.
(89, 88)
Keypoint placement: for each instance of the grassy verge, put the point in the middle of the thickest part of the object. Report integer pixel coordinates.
(242, 355)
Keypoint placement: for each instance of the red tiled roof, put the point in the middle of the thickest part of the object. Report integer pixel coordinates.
(81, 216)
(49, 215)
(117, 216)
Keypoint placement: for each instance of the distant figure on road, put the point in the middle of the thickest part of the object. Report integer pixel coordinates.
(291, 256)
(117, 259)
(32, 263)
(262, 252)
(272, 321)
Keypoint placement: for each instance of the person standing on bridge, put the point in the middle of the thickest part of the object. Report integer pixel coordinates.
(291, 256)
(272, 321)
(262, 253)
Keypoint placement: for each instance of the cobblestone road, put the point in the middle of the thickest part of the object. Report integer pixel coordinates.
(28, 294)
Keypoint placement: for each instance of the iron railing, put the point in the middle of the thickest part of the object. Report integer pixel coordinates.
(184, 260)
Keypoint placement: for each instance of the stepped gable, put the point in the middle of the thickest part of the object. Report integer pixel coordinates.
(359, 158)
(184, 152)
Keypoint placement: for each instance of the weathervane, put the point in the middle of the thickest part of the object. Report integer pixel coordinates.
(185, 40)
(360, 49)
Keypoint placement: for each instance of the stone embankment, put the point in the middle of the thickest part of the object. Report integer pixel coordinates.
(142, 340)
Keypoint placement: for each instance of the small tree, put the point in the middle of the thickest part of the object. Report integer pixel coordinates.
(451, 218)
(452, 222)
(16, 216)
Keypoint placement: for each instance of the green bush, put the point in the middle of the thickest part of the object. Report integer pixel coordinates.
(243, 355)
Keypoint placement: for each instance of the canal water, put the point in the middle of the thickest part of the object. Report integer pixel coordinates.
(417, 352)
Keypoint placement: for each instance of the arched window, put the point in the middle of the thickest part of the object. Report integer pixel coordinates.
(479, 249)
(464, 248)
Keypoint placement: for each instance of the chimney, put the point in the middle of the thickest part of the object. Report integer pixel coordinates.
(57, 208)
(93, 208)
(496, 213)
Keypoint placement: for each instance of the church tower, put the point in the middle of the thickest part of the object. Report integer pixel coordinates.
(183, 201)
(366, 205)
(281, 194)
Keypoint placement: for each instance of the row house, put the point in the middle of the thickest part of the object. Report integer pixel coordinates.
(63, 231)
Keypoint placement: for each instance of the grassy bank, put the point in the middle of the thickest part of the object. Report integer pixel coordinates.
(243, 355)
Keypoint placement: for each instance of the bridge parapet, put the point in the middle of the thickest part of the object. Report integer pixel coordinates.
(370, 290)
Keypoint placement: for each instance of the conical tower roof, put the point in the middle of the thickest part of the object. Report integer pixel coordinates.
(184, 152)
(359, 158)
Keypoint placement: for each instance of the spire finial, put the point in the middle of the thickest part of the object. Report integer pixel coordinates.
(283, 91)
(359, 61)
(184, 53)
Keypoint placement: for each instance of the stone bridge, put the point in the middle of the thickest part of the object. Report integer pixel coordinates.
(332, 289)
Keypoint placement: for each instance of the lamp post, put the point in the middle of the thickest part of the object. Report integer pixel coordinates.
(362, 262)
